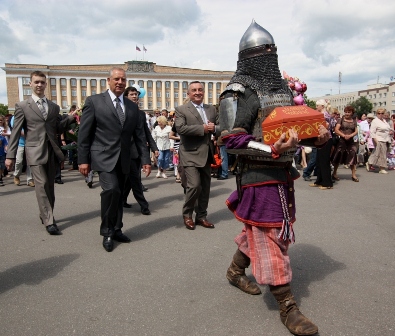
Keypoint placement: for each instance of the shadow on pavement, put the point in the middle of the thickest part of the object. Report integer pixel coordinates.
(309, 263)
(34, 272)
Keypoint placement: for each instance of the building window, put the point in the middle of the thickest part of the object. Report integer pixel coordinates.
(393, 102)
(63, 81)
(167, 104)
(141, 83)
(74, 102)
(83, 82)
(103, 83)
(167, 85)
(384, 95)
(53, 81)
(185, 85)
(158, 104)
(210, 86)
(93, 92)
(83, 93)
(64, 103)
(27, 92)
(93, 82)
(64, 93)
(175, 104)
(150, 105)
(379, 95)
(158, 84)
(131, 82)
(393, 94)
(74, 93)
(176, 85)
(167, 94)
(25, 80)
(217, 96)
(374, 96)
(73, 82)
(158, 94)
(210, 95)
(141, 105)
(175, 94)
(53, 93)
(385, 104)
(150, 94)
(149, 84)
(218, 86)
(184, 95)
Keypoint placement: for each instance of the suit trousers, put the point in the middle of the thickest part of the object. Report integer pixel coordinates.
(112, 184)
(44, 179)
(133, 182)
(197, 191)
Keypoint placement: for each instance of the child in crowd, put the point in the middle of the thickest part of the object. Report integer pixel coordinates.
(3, 151)
(391, 157)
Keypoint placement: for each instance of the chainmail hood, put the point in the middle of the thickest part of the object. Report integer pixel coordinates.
(261, 74)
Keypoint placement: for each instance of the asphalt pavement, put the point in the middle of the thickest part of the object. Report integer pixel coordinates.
(171, 281)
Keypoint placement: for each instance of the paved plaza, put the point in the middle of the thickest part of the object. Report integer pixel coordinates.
(171, 281)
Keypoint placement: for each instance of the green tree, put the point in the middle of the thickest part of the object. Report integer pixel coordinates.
(362, 105)
(3, 109)
(309, 103)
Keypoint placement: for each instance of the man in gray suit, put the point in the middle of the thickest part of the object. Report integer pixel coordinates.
(40, 119)
(110, 124)
(196, 123)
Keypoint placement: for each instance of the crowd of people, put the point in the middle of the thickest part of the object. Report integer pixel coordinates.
(114, 138)
(367, 141)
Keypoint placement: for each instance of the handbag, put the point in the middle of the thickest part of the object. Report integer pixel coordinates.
(217, 160)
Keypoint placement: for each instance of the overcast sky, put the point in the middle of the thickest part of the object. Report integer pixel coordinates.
(316, 39)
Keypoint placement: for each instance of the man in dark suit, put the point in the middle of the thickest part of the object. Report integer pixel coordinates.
(133, 180)
(196, 123)
(109, 124)
(41, 121)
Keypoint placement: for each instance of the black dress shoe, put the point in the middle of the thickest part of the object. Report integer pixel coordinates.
(108, 244)
(145, 211)
(89, 184)
(222, 178)
(127, 205)
(53, 230)
(120, 237)
(145, 188)
(58, 181)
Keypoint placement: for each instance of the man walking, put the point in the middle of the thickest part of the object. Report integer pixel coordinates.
(42, 122)
(109, 124)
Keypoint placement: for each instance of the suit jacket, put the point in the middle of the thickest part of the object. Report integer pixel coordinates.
(102, 139)
(195, 146)
(39, 132)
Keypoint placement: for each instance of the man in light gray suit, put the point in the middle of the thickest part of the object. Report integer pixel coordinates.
(196, 123)
(111, 126)
(40, 119)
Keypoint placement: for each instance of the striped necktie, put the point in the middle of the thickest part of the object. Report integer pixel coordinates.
(202, 113)
(121, 114)
(40, 104)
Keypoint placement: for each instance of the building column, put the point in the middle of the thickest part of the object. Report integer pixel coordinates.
(58, 93)
(145, 99)
(78, 92)
(154, 94)
(206, 92)
(172, 95)
(88, 88)
(163, 93)
(214, 93)
(180, 98)
(68, 91)
(98, 86)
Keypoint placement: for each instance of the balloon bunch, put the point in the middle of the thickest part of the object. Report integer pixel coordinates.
(297, 87)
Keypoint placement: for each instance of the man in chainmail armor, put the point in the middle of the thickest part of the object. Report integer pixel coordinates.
(264, 199)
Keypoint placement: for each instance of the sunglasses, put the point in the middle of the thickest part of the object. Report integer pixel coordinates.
(380, 113)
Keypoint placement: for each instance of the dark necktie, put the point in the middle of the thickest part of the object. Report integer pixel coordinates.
(40, 104)
(120, 113)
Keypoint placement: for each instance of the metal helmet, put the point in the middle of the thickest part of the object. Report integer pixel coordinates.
(256, 41)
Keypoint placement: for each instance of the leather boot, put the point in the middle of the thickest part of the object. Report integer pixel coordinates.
(290, 314)
(237, 276)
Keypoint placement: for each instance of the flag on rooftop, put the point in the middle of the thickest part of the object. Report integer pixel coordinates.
(144, 48)
(137, 48)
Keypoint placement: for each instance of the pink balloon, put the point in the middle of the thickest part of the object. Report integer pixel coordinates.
(298, 87)
(299, 100)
